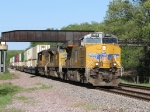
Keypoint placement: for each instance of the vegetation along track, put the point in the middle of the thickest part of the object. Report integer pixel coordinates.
(130, 93)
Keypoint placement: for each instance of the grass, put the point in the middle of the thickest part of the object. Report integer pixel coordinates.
(42, 86)
(6, 76)
(6, 93)
(86, 106)
(22, 98)
(27, 100)
(31, 89)
(45, 87)
(11, 110)
(123, 81)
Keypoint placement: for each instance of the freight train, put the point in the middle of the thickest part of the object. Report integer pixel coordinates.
(93, 59)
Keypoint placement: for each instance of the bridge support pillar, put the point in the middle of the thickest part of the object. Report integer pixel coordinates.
(3, 50)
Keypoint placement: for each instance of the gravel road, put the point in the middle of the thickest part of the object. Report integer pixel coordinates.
(49, 95)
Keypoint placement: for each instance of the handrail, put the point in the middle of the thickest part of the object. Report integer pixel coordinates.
(46, 66)
(122, 69)
(90, 62)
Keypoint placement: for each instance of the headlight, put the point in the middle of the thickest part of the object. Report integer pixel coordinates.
(114, 64)
(96, 64)
(103, 48)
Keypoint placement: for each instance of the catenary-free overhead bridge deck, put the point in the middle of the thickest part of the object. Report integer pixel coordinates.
(42, 35)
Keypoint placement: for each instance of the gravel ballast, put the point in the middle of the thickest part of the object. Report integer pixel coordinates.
(65, 97)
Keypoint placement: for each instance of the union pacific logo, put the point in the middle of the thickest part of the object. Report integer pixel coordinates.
(102, 56)
(64, 55)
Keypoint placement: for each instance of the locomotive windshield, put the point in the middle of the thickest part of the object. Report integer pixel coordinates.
(109, 40)
(93, 40)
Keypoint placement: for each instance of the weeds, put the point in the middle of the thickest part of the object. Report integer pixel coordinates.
(41, 86)
(22, 98)
(6, 76)
(6, 93)
(11, 110)
(86, 106)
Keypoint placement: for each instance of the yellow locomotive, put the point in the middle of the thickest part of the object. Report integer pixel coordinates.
(50, 61)
(95, 58)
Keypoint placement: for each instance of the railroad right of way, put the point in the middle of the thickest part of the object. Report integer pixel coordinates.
(80, 98)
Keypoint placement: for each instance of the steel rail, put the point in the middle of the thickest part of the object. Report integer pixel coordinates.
(134, 86)
(132, 94)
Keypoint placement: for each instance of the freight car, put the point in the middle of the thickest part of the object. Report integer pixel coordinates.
(27, 60)
(94, 58)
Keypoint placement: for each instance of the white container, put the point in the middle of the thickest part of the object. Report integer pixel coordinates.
(10, 60)
(16, 64)
(20, 57)
(37, 49)
(21, 63)
(13, 59)
(29, 53)
(12, 64)
(33, 63)
(28, 63)
(25, 63)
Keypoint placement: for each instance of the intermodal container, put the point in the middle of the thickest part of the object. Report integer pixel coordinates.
(15, 63)
(21, 63)
(37, 49)
(25, 56)
(33, 63)
(12, 64)
(29, 54)
(17, 58)
(12, 59)
(28, 63)
(22, 57)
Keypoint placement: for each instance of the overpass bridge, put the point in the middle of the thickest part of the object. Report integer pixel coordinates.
(42, 35)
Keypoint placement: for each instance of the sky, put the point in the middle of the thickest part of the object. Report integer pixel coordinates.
(43, 14)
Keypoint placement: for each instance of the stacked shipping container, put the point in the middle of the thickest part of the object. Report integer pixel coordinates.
(21, 59)
(28, 58)
(11, 62)
(31, 54)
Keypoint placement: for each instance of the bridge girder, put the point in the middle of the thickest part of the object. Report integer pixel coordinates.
(42, 35)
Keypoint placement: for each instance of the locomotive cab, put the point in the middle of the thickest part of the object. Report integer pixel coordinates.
(98, 38)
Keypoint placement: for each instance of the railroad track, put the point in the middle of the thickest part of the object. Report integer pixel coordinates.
(129, 93)
(134, 86)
